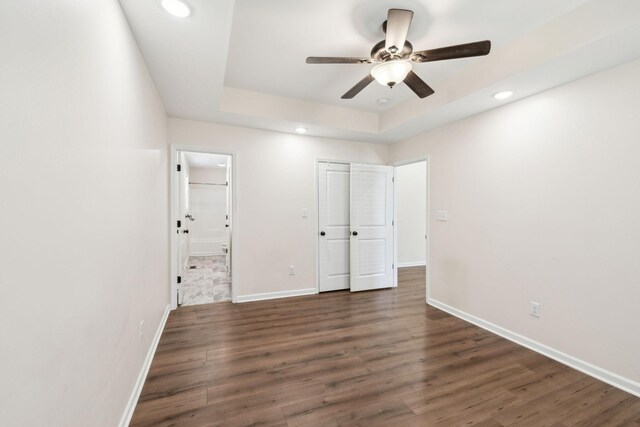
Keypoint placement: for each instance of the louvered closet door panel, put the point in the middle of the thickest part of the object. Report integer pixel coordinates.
(371, 216)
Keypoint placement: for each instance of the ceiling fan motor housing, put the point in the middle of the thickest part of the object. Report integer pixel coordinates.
(380, 54)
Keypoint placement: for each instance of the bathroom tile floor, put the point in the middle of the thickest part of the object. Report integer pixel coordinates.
(206, 283)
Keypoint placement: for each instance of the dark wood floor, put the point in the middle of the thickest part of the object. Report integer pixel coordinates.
(374, 358)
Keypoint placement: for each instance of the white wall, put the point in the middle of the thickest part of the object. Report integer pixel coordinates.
(208, 205)
(411, 214)
(83, 253)
(276, 179)
(543, 197)
(208, 175)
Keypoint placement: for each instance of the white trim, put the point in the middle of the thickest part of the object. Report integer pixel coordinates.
(411, 264)
(275, 295)
(173, 200)
(396, 264)
(428, 242)
(601, 374)
(173, 240)
(137, 389)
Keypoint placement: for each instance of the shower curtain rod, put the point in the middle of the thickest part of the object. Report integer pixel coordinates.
(205, 183)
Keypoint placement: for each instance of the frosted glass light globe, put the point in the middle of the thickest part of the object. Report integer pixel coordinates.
(391, 73)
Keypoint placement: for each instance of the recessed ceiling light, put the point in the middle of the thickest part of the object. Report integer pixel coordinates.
(383, 101)
(503, 95)
(176, 8)
(301, 130)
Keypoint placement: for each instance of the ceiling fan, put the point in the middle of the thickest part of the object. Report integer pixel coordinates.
(394, 57)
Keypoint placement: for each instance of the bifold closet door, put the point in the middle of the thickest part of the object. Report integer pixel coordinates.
(333, 222)
(371, 220)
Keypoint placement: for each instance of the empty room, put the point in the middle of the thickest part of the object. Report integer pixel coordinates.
(307, 213)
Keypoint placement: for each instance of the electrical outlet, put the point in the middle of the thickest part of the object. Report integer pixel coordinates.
(292, 270)
(442, 215)
(535, 309)
(141, 330)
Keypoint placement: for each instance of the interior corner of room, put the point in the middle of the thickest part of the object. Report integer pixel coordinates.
(202, 226)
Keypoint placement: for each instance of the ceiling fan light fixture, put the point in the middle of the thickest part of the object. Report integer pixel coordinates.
(176, 8)
(393, 53)
(391, 73)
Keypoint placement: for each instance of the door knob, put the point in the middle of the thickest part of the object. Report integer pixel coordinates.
(322, 233)
(355, 233)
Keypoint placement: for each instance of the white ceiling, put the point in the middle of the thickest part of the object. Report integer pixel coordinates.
(280, 38)
(243, 62)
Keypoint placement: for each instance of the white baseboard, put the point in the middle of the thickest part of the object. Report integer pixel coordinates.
(274, 295)
(135, 394)
(411, 264)
(206, 253)
(608, 377)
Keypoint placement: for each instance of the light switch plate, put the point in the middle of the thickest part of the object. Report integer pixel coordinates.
(305, 212)
(442, 215)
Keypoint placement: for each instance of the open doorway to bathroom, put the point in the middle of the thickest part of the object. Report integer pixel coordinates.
(411, 199)
(203, 206)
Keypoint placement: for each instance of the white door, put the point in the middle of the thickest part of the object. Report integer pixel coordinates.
(183, 210)
(333, 221)
(371, 213)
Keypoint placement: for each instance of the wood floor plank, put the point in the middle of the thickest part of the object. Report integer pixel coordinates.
(380, 413)
(380, 358)
(216, 416)
(151, 412)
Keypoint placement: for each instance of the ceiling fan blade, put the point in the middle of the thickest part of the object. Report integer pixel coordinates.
(358, 87)
(417, 85)
(398, 21)
(337, 60)
(466, 50)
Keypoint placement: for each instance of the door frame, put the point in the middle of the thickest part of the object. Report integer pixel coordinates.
(427, 159)
(173, 212)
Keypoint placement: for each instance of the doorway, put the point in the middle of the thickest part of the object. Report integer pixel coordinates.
(411, 215)
(202, 229)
